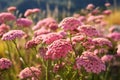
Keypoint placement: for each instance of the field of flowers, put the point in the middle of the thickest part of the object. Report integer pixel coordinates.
(85, 46)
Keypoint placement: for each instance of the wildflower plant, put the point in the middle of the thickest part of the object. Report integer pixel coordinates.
(79, 47)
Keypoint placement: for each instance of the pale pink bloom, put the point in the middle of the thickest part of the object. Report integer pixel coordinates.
(78, 38)
(24, 22)
(107, 58)
(11, 9)
(5, 63)
(82, 18)
(41, 31)
(114, 29)
(58, 49)
(90, 7)
(88, 30)
(51, 37)
(30, 72)
(28, 12)
(48, 23)
(62, 33)
(13, 34)
(90, 62)
(118, 50)
(35, 10)
(102, 42)
(69, 23)
(6, 16)
(3, 28)
(107, 4)
(107, 12)
(115, 36)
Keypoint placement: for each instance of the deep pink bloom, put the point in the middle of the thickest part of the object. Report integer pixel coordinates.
(6, 16)
(107, 58)
(13, 34)
(3, 28)
(69, 23)
(11, 9)
(51, 37)
(30, 44)
(48, 23)
(33, 42)
(115, 36)
(63, 33)
(58, 49)
(5, 63)
(90, 7)
(24, 22)
(30, 72)
(102, 42)
(88, 30)
(90, 62)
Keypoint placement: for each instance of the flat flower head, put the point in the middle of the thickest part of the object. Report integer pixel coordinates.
(51, 37)
(5, 63)
(6, 16)
(69, 24)
(115, 36)
(102, 42)
(88, 30)
(3, 28)
(90, 62)
(11, 9)
(58, 49)
(107, 58)
(29, 72)
(13, 34)
(24, 22)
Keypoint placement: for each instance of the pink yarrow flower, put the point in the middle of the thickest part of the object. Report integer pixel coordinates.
(3, 28)
(5, 63)
(58, 49)
(115, 36)
(11, 9)
(48, 23)
(107, 58)
(6, 16)
(90, 7)
(69, 23)
(51, 37)
(13, 34)
(88, 30)
(91, 63)
(24, 22)
(102, 42)
(30, 72)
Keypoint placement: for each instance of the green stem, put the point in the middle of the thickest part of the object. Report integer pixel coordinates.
(23, 61)
(47, 71)
(107, 71)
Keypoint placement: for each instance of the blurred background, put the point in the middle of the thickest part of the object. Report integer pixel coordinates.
(62, 5)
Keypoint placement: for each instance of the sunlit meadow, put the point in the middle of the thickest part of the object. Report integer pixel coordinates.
(39, 46)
